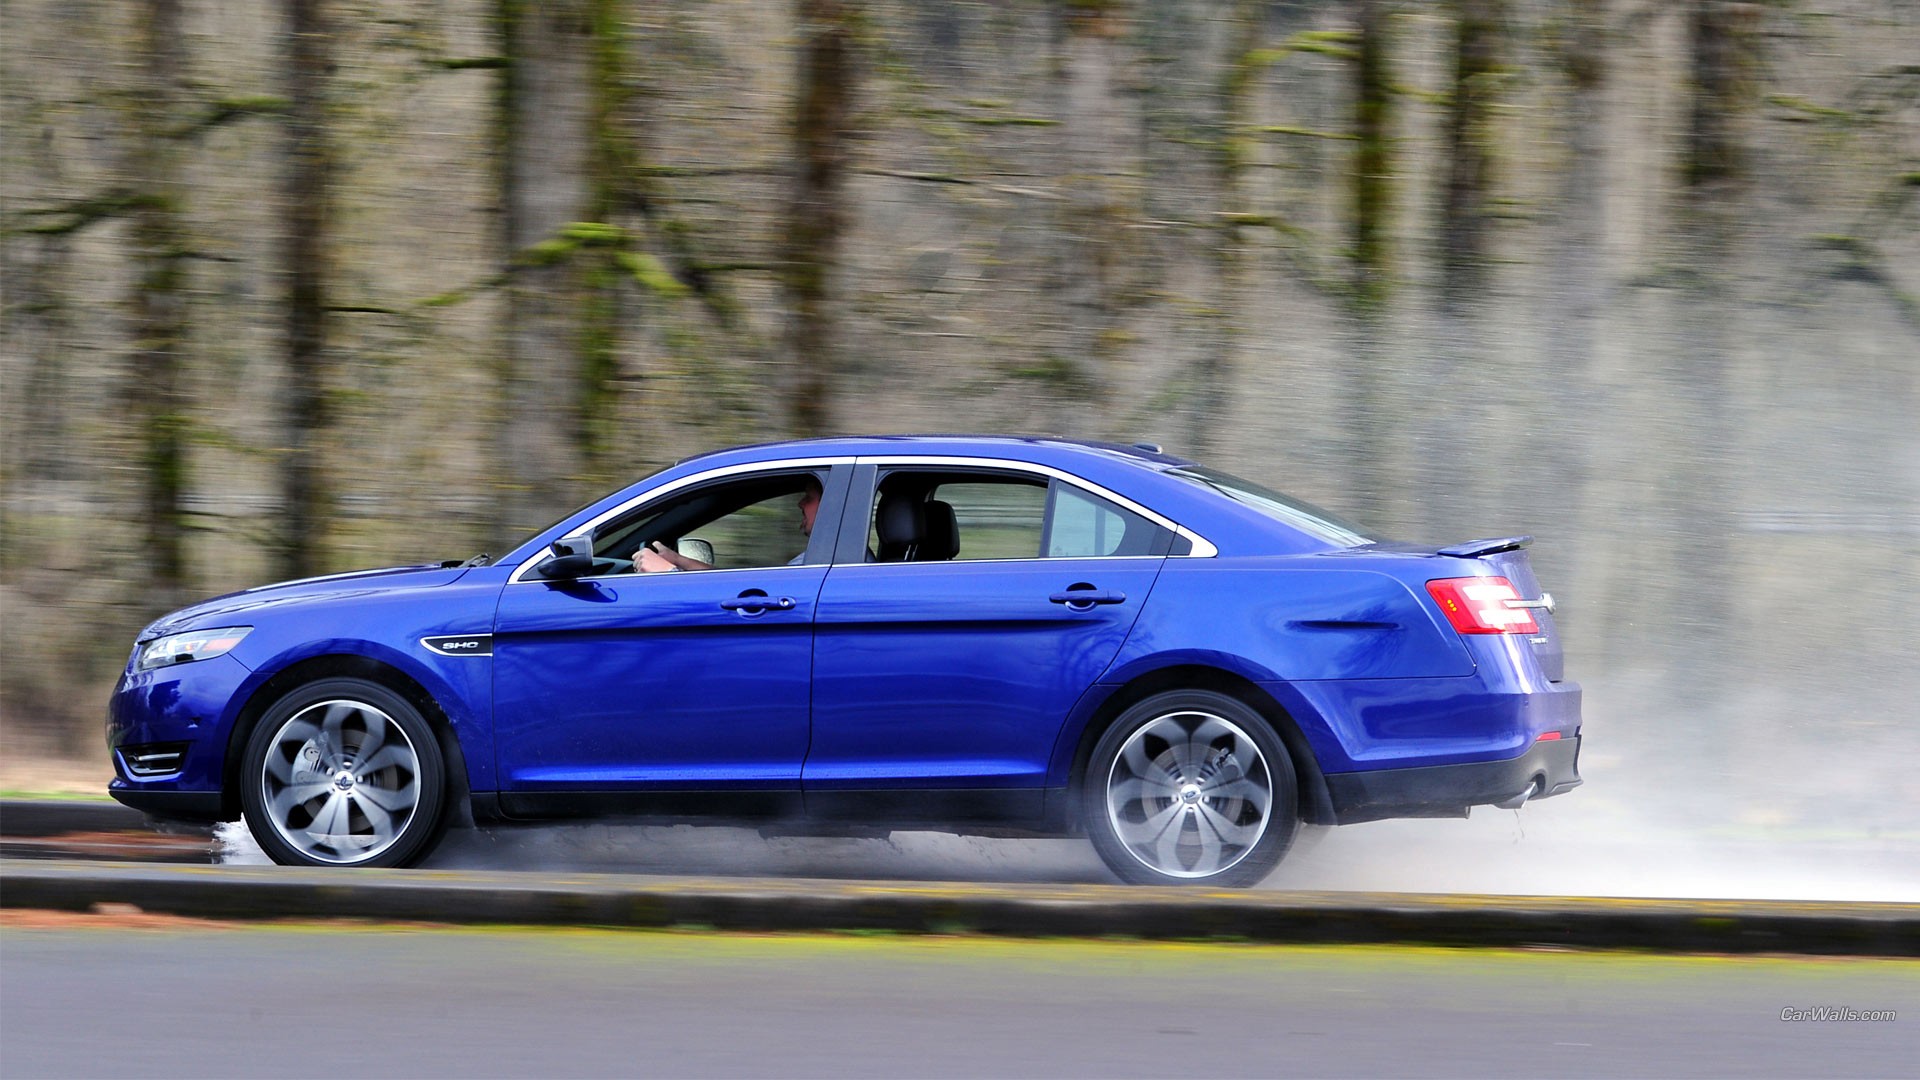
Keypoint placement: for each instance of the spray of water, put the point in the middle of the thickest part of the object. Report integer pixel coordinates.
(1551, 848)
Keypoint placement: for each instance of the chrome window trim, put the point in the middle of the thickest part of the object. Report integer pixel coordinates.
(639, 575)
(1034, 559)
(520, 573)
(1202, 547)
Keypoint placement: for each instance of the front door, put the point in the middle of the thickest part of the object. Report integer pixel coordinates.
(681, 691)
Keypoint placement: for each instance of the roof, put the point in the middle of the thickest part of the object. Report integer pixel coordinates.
(933, 442)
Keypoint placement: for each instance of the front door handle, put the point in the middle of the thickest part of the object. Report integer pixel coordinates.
(1082, 599)
(754, 605)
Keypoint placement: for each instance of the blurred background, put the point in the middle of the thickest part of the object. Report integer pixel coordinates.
(305, 286)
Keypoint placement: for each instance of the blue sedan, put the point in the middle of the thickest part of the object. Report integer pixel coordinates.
(963, 633)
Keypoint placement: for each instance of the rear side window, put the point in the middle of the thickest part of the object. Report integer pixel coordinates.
(995, 519)
(941, 516)
(930, 516)
(1082, 525)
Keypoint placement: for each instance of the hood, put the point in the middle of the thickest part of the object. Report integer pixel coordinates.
(237, 607)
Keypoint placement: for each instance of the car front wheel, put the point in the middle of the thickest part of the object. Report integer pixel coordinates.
(1190, 787)
(344, 772)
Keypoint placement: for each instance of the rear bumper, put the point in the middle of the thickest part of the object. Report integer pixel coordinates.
(1549, 768)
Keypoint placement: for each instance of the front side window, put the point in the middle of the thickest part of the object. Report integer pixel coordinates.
(757, 521)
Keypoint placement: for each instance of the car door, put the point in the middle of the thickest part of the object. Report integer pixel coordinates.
(676, 691)
(943, 674)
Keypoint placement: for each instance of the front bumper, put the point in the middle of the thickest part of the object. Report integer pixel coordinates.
(1549, 768)
(196, 806)
(185, 708)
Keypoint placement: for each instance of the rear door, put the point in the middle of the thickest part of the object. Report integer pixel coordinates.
(947, 657)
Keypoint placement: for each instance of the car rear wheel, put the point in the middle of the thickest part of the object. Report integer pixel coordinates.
(344, 772)
(1190, 787)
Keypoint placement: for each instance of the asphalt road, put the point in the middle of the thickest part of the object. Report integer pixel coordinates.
(366, 1002)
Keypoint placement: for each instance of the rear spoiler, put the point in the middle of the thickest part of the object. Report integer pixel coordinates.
(1473, 549)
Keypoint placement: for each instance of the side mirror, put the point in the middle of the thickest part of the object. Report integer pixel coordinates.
(695, 548)
(572, 558)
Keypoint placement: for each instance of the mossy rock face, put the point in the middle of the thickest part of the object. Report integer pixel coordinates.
(672, 276)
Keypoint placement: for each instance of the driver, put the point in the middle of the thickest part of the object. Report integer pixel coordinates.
(657, 557)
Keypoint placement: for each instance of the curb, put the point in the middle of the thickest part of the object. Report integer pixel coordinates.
(762, 904)
(53, 817)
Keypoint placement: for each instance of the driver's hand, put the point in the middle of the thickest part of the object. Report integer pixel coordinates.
(651, 561)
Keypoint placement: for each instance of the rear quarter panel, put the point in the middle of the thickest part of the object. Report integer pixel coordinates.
(1305, 627)
(1287, 619)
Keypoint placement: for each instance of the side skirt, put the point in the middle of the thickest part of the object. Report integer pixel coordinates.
(1030, 812)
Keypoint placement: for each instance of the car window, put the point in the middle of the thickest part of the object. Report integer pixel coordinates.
(737, 524)
(1083, 525)
(996, 519)
(924, 515)
(1303, 516)
(931, 516)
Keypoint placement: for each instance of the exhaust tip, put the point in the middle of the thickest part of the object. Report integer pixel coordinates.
(1533, 789)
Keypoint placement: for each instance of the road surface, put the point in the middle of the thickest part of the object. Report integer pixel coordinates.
(89, 996)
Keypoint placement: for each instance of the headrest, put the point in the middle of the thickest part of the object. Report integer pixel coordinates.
(901, 523)
(943, 533)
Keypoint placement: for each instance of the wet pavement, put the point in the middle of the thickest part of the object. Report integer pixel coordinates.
(1546, 849)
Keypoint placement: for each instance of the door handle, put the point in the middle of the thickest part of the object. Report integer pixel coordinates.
(754, 605)
(1082, 599)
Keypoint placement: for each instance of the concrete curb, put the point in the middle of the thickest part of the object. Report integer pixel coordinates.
(760, 904)
(53, 817)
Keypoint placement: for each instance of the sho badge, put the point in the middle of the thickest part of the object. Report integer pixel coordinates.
(464, 645)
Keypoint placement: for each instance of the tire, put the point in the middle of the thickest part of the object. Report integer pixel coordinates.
(308, 794)
(1190, 787)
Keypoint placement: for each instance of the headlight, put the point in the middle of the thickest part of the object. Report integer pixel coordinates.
(195, 645)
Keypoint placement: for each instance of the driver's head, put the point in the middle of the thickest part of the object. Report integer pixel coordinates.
(809, 504)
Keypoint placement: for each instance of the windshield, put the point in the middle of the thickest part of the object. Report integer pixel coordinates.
(518, 544)
(1303, 516)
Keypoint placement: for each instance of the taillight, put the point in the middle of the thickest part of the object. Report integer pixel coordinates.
(1478, 605)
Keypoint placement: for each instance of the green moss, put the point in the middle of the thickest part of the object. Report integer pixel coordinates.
(252, 103)
(651, 274)
(593, 234)
(1804, 106)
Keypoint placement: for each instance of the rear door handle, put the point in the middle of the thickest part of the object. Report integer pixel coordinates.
(1082, 599)
(754, 605)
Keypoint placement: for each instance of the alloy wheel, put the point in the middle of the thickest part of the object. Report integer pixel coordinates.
(1189, 795)
(340, 782)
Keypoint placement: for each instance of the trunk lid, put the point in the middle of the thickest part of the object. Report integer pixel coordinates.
(1513, 564)
(1505, 557)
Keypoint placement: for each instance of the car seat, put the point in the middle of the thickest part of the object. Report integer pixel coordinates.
(942, 540)
(902, 526)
